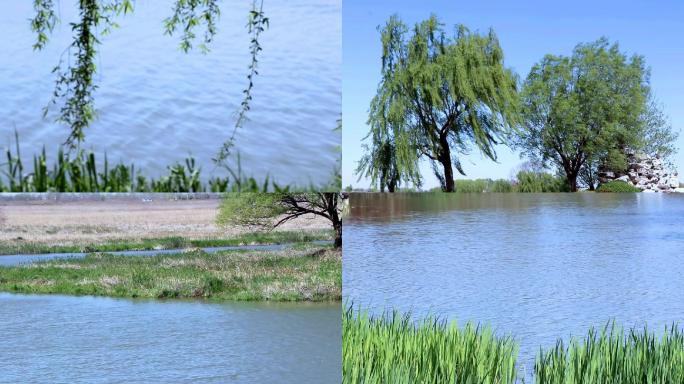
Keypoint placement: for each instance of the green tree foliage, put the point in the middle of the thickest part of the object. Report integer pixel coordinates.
(75, 86)
(439, 96)
(270, 210)
(379, 163)
(586, 110)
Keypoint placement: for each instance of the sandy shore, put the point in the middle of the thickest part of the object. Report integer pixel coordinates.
(93, 222)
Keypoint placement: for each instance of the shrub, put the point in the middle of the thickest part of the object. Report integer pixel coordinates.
(618, 187)
(483, 185)
(536, 182)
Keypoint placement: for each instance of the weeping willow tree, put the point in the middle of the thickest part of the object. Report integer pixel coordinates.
(440, 95)
(195, 20)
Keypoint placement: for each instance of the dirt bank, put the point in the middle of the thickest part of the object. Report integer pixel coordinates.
(92, 222)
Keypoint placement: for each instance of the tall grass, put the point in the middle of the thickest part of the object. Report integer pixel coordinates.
(79, 172)
(537, 182)
(525, 182)
(393, 349)
(484, 185)
(613, 356)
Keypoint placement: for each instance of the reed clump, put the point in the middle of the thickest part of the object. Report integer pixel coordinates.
(393, 349)
(79, 172)
(613, 356)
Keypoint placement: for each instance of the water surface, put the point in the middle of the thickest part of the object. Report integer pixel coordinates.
(157, 105)
(62, 339)
(10, 260)
(535, 266)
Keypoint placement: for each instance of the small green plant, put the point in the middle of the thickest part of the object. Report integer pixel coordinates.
(617, 186)
(393, 349)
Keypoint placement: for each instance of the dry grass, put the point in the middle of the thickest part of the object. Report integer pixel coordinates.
(97, 222)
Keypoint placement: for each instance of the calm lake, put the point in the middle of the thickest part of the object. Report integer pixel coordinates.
(61, 339)
(534, 266)
(154, 99)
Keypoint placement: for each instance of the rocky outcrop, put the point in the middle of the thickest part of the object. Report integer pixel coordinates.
(647, 173)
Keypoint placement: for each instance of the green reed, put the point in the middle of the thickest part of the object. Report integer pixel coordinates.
(613, 356)
(393, 349)
(79, 172)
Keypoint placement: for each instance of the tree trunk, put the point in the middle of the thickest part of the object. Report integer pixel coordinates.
(391, 187)
(337, 225)
(445, 159)
(572, 181)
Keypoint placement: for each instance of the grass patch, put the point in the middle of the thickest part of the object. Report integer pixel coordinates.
(275, 237)
(394, 349)
(611, 356)
(525, 182)
(618, 187)
(313, 273)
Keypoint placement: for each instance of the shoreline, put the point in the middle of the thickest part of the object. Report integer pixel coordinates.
(305, 272)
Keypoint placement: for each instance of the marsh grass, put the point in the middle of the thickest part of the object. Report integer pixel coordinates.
(393, 349)
(310, 273)
(273, 237)
(611, 356)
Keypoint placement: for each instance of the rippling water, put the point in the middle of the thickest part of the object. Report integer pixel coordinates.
(535, 266)
(61, 339)
(156, 105)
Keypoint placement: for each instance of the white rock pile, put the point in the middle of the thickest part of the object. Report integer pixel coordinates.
(647, 173)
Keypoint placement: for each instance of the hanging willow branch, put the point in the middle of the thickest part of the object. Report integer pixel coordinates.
(257, 23)
(74, 86)
(44, 22)
(189, 14)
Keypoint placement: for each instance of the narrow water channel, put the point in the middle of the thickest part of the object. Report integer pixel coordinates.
(9, 260)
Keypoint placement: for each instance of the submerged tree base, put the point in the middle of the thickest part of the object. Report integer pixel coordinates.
(302, 273)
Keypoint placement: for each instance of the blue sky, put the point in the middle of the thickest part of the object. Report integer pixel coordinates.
(527, 30)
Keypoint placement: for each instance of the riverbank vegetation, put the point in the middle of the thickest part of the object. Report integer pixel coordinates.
(525, 182)
(80, 172)
(306, 272)
(393, 348)
(614, 356)
(443, 94)
(16, 247)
